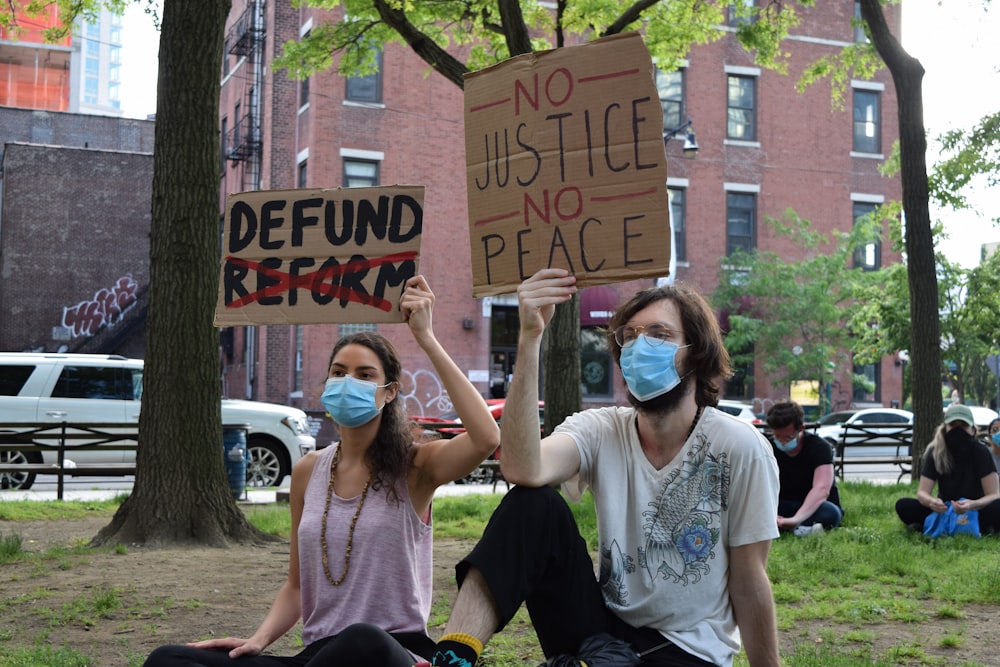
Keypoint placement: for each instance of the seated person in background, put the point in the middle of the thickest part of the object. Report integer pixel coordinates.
(993, 441)
(808, 494)
(963, 471)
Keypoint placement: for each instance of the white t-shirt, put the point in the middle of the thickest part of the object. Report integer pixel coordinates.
(664, 544)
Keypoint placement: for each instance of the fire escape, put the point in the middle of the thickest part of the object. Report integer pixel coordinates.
(243, 141)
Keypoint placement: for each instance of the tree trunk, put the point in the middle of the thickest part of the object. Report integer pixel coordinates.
(180, 493)
(561, 364)
(925, 352)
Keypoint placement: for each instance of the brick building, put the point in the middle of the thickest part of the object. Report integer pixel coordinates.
(74, 231)
(763, 148)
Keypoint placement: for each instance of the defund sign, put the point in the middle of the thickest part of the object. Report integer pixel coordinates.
(565, 166)
(318, 256)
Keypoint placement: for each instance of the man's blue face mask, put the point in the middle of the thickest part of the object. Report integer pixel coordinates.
(649, 366)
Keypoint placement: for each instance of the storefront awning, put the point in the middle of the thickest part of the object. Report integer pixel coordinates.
(597, 304)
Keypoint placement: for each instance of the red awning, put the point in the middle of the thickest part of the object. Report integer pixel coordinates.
(597, 304)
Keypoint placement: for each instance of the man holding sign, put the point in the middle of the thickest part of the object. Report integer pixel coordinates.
(686, 497)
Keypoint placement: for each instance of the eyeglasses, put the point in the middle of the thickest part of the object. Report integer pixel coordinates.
(655, 333)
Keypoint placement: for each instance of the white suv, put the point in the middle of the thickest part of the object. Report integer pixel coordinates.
(77, 388)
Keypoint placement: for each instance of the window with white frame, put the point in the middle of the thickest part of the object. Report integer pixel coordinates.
(741, 107)
(740, 13)
(741, 221)
(678, 213)
(670, 86)
(869, 256)
(867, 121)
(859, 25)
(366, 88)
(360, 173)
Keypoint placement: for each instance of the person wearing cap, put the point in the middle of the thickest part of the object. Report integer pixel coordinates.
(963, 471)
(809, 500)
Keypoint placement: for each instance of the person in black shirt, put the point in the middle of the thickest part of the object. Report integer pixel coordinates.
(964, 473)
(808, 494)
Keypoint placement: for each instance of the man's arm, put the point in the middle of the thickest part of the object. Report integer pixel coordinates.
(753, 603)
(521, 457)
(820, 491)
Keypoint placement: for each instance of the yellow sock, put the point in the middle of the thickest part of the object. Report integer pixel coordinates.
(457, 649)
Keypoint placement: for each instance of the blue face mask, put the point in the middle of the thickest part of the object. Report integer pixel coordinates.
(649, 368)
(787, 446)
(996, 438)
(351, 402)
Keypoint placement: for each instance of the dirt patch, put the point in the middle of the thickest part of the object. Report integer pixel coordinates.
(116, 607)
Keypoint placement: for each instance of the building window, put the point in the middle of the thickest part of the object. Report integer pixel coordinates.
(297, 381)
(301, 176)
(360, 173)
(740, 13)
(741, 222)
(303, 92)
(741, 108)
(859, 25)
(678, 214)
(870, 390)
(348, 328)
(869, 256)
(595, 363)
(236, 125)
(739, 385)
(867, 121)
(366, 88)
(671, 89)
(224, 149)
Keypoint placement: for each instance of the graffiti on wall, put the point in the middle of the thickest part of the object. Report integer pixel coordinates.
(423, 394)
(105, 308)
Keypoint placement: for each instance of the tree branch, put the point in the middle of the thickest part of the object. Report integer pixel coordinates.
(514, 29)
(422, 45)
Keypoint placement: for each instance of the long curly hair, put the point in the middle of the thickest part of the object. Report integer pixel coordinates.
(389, 456)
(707, 356)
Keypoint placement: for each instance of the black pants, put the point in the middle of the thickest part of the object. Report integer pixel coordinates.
(911, 512)
(532, 552)
(359, 645)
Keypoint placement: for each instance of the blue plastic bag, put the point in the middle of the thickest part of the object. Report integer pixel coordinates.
(949, 522)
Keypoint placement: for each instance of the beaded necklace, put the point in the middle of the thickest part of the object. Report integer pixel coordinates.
(354, 522)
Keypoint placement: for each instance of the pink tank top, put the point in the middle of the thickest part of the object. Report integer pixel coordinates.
(390, 576)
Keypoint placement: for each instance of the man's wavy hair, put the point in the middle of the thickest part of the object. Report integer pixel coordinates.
(389, 457)
(707, 358)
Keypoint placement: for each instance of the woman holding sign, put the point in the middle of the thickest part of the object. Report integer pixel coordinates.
(359, 574)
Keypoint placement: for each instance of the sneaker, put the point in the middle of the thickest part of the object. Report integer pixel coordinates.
(804, 531)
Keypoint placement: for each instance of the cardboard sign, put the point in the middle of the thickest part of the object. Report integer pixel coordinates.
(566, 166)
(318, 256)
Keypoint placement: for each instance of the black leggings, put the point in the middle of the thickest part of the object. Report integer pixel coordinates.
(532, 552)
(911, 512)
(357, 645)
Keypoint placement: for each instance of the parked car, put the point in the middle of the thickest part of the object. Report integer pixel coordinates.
(740, 410)
(983, 417)
(836, 418)
(451, 417)
(78, 388)
(876, 447)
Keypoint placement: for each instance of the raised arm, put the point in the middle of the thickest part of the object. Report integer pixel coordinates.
(526, 460)
(442, 461)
